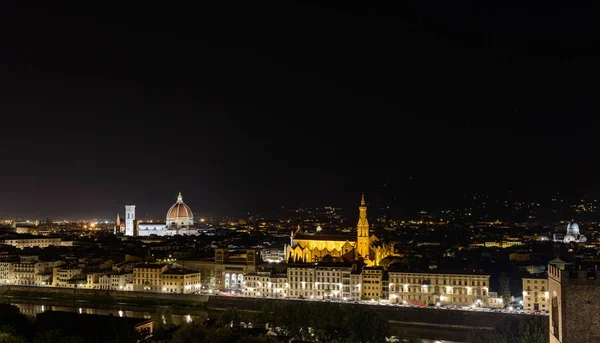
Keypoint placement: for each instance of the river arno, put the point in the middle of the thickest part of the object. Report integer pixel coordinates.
(31, 307)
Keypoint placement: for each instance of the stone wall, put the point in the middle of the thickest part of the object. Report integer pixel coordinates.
(580, 308)
(392, 313)
(98, 292)
(431, 316)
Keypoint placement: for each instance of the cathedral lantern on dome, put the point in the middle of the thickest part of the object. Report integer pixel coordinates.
(180, 214)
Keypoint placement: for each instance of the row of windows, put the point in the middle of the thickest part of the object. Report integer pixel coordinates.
(427, 298)
(543, 305)
(295, 278)
(327, 273)
(449, 276)
(259, 284)
(147, 274)
(439, 282)
(332, 287)
(430, 291)
(535, 295)
(536, 287)
(179, 284)
(181, 276)
(307, 286)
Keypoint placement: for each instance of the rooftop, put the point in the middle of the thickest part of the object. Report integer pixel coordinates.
(320, 264)
(180, 271)
(149, 266)
(330, 237)
(536, 276)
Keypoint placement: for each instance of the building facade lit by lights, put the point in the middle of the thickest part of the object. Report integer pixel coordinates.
(320, 281)
(572, 234)
(182, 281)
(372, 281)
(439, 288)
(148, 277)
(227, 270)
(365, 246)
(179, 221)
(536, 296)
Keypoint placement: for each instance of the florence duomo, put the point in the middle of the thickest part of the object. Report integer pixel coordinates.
(365, 246)
(179, 221)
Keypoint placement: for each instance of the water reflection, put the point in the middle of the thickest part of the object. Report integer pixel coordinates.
(34, 309)
(178, 319)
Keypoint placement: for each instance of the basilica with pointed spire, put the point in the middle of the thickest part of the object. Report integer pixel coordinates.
(304, 247)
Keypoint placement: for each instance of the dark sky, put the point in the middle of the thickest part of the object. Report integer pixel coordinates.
(249, 108)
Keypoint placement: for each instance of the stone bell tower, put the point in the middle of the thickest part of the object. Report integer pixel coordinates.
(362, 231)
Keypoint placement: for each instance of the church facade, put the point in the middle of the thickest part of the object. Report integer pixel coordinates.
(179, 221)
(313, 248)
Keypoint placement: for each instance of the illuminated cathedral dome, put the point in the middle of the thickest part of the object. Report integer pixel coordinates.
(573, 235)
(180, 214)
(573, 228)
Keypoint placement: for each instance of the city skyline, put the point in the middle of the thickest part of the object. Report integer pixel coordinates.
(352, 171)
(250, 109)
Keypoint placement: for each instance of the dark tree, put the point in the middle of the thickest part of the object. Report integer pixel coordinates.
(533, 329)
(56, 336)
(164, 318)
(11, 338)
(327, 322)
(14, 322)
(229, 316)
(504, 287)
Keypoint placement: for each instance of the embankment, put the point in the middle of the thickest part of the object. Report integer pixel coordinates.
(452, 323)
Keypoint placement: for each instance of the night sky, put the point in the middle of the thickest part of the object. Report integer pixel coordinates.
(253, 107)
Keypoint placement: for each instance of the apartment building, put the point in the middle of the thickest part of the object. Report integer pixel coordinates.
(536, 296)
(183, 281)
(439, 288)
(266, 284)
(148, 277)
(372, 281)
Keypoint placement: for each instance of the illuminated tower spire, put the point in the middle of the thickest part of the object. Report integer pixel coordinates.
(118, 224)
(130, 220)
(362, 230)
(179, 198)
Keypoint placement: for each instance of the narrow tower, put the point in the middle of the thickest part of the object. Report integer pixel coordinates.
(118, 224)
(362, 230)
(129, 220)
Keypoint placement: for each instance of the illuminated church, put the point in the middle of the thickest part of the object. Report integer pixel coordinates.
(313, 248)
(179, 221)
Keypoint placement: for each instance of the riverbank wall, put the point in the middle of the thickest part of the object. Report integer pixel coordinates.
(84, 292)
(423, 316)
